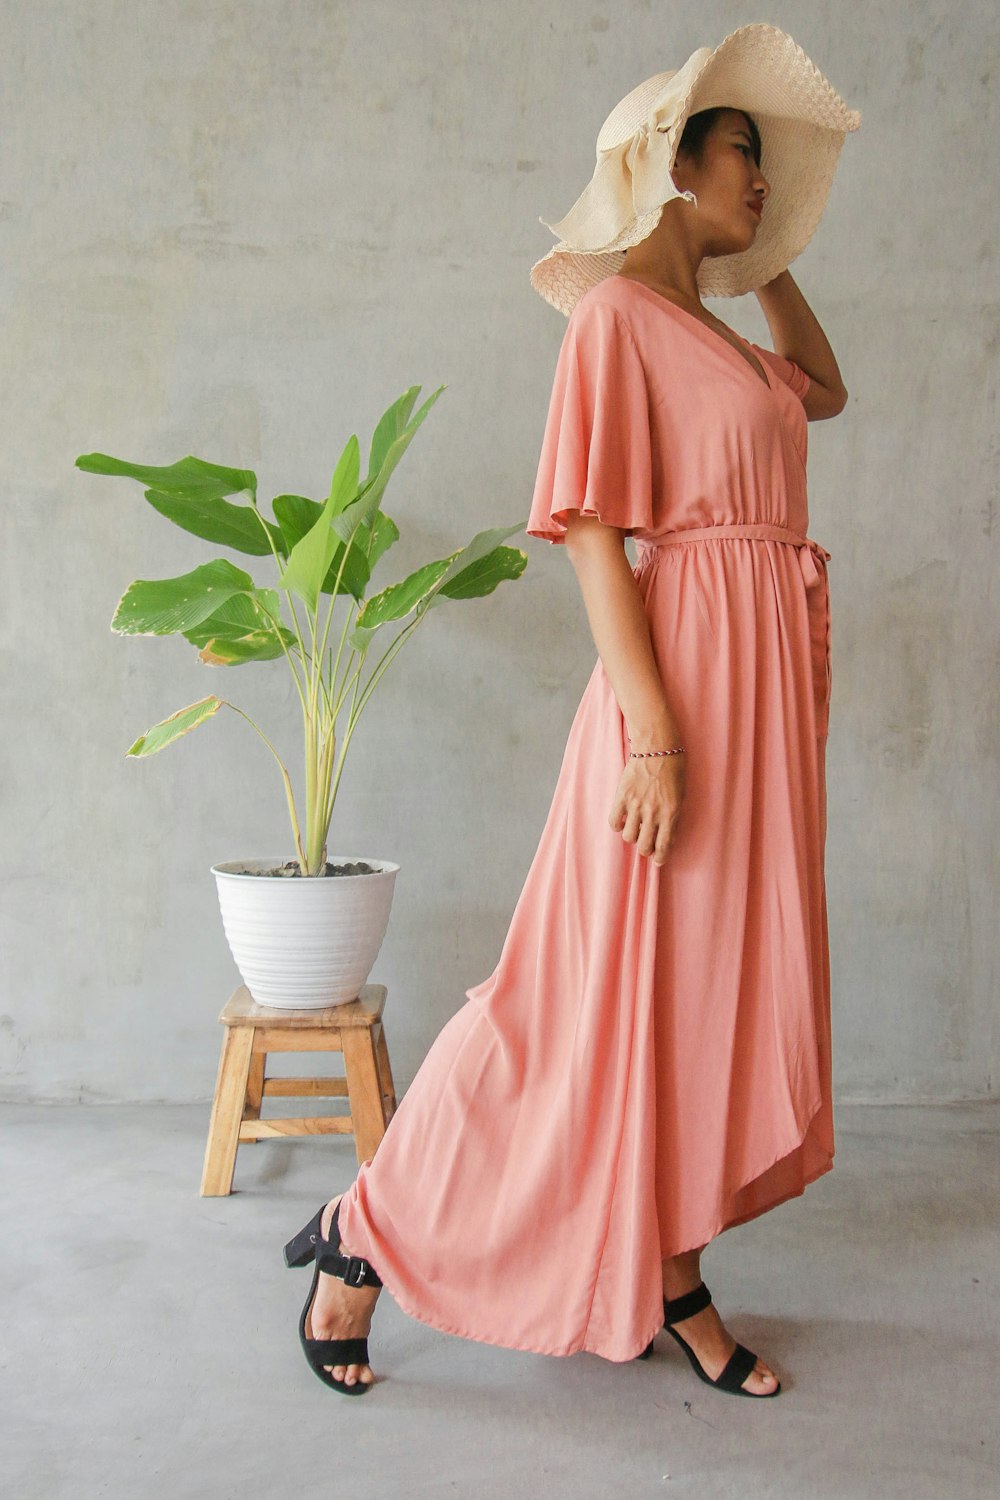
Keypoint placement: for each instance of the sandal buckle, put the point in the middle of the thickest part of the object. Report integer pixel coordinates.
(355, 1270)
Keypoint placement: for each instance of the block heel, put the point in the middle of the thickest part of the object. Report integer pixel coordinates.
(302, 1248)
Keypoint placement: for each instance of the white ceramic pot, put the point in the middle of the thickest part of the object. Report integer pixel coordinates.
(301, 943)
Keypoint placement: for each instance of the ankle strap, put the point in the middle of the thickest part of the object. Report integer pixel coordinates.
(676, 1309)
(353, 1269)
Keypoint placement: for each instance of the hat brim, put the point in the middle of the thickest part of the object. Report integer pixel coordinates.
(803, 123)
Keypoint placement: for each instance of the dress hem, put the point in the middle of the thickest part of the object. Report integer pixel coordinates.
(498, 1343)
(585, 1348)
(755, 1213)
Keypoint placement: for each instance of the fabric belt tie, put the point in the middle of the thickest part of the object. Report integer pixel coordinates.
(812, 561)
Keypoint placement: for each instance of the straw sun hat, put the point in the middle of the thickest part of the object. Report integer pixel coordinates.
(802, 122)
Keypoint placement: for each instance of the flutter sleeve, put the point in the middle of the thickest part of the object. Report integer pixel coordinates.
(787, 370)
(596, 453)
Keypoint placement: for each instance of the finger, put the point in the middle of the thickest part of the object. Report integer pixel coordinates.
(661, 851)
(631, 830)
(664, 839)
(647, 839)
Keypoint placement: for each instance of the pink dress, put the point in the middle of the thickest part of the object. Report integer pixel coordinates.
(649, 1063)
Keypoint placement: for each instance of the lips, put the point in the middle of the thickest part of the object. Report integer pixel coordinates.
(757, 208)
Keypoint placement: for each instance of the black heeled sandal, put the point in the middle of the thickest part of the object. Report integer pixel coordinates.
(740, 1362)
(309, 1244)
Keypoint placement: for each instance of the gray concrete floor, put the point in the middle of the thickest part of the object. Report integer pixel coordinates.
(150, 1346)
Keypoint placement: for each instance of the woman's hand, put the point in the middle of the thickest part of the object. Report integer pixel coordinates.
(648, 803)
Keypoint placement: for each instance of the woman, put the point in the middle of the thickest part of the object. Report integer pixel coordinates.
(649, 1064)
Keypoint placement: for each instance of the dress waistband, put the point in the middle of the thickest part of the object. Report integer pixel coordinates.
(754, 530)
(813, 559)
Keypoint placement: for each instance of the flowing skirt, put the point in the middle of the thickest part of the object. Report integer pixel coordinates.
(649, 1063)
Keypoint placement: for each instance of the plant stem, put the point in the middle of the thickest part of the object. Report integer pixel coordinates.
(291, 602)
(347, 621)
(310, 774)
(319, 803)
(289, 794)
(355, 714)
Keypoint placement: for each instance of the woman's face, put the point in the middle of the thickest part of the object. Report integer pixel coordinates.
(727, 182)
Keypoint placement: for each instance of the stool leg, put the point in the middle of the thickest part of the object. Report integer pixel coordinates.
(255, 1089)
(385, 1073)
(227, 1112)
(363, 1090)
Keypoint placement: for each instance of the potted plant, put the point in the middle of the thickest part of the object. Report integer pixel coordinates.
(300, 937)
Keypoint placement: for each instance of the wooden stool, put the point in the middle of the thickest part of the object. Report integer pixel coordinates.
(252, 1031)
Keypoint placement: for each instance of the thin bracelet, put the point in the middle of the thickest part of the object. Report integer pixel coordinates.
(635, 754)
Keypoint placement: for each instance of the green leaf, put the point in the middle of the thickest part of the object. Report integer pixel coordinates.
(349, 512)
(392, 437)
(483, 576)
(360, 639)
(256, 645)
(469, 573)
(390, 424)
(192, 477)
(310, 558)
(384, 533)
(241, 631)
(401, 598)
(217, 520)
(168, 730)
(480, 566)
(296, 516)
(164, 606)
(355, 523)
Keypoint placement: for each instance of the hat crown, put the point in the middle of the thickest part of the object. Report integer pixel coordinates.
(632, 111)
(666, 96)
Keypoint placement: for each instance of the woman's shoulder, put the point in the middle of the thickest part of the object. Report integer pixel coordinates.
(607, 317)
(609, 296)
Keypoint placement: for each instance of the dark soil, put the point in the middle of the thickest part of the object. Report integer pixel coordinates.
(291, 869)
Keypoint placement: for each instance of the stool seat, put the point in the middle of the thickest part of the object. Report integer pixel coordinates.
(251, 1032)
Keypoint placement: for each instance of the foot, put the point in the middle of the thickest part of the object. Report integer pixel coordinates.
(713, 1344)
(340, 1311)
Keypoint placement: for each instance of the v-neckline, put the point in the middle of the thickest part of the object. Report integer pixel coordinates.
(764, 380)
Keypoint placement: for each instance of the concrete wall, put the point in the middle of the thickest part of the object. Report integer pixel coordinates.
(240, 230)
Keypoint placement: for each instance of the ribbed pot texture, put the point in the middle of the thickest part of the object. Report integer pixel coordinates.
(301, 943)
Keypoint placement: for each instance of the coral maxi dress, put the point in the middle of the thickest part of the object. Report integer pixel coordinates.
(649, 1063)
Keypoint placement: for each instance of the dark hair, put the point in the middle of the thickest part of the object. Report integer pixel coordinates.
(697, 126)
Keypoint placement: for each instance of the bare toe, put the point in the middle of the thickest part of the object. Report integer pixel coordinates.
(761, 1378)
(352, 1374)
